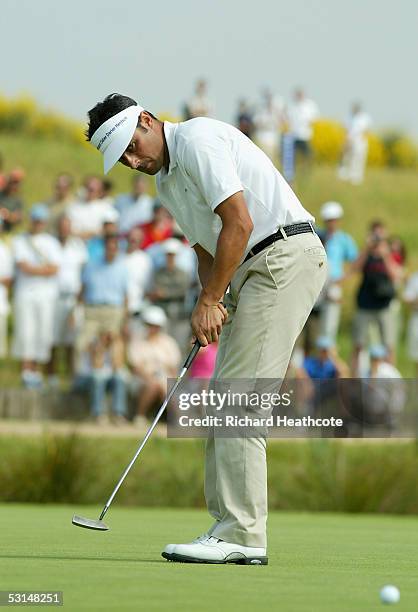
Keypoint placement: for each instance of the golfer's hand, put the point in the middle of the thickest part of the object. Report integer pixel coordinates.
(207, 321)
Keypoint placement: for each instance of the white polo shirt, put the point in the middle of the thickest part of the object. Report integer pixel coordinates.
(209, 162)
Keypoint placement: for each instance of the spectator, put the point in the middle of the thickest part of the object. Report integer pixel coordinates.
(159, 228)
(139, 266)
(106, 195)
(324, 368)
(96, 244)
(199, 105)
(37, 256)
(376, 291)
(3, 177)
(326, 363)
(153, 358)
(6, 275)
(302, 113)
(341, 249)
(135, 208)
(11, 205)
(355, 147)
(102, 369)
(104, 295)
(73, 258)
(169, 291)
(61, 198)
(384, 391)
(245, 120)
(268, 123)
(410, 297)
(88, 213)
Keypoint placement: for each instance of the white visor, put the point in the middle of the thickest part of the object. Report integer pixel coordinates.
(113, 136)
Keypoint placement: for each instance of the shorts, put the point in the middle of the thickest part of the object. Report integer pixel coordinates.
(381, 319)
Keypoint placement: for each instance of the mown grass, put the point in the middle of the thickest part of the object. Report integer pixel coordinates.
(317, 563)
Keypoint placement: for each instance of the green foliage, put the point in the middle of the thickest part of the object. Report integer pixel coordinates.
(310, 475)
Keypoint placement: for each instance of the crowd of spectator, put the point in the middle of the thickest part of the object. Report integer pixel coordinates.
(102, 286)
(284, 129)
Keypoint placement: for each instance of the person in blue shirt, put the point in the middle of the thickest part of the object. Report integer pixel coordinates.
(104, 294)
(341, 249)
(324, 368)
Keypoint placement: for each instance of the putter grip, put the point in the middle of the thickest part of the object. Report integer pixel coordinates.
(192, 355)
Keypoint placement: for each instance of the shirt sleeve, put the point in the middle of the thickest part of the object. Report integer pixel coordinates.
(411, 289)
(351, 250)
(210, 165)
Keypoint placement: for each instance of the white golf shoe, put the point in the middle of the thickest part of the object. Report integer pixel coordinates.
(214, 550)
(169, 549)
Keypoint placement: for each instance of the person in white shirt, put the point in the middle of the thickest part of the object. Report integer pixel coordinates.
(140, 272)
(355, 147)
(88, 213)
(73, 257)
(6, 275)
(268, 122)
(302, 112)
(37, 257)
(251, 233)
(135, 208)
(410, 297)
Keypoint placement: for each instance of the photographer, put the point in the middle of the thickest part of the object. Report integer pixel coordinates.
(377, 290)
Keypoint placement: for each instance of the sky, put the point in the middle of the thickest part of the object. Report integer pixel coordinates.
(69, 55)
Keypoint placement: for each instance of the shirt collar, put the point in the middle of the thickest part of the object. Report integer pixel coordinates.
(170, 130)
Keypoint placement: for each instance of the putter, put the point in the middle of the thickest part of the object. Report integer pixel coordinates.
(98, 525)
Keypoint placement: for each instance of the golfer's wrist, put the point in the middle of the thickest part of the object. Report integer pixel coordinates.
(210, 298)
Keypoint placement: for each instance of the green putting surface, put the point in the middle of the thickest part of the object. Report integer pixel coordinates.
(317, 562)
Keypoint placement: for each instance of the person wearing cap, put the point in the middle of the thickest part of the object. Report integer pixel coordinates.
(153, 359)
(251, 233)
(6, 276)
(37, 257)
(326, 363)
(88, 211)
(341, 250)
(169, 290)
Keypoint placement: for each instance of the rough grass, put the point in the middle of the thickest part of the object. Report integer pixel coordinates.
(315, 475)
(317, 563)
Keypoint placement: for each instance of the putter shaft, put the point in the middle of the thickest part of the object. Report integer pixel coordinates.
(186, 366)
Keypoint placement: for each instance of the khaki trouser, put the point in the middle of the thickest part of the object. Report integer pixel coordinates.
(98, 319)
(270, 298)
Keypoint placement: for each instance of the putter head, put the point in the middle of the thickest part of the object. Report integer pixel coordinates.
(86, 523)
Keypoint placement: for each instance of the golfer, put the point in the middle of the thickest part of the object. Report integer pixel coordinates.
(251, 233)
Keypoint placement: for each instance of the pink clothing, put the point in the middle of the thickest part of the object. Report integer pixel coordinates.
(159, 356)
(204, 363)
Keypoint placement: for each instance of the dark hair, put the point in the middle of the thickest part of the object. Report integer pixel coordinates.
(112, 105)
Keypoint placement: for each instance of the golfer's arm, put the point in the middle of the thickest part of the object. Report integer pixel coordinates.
(232, 241)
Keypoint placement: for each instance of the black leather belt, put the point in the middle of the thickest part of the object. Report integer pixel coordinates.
(282, 234)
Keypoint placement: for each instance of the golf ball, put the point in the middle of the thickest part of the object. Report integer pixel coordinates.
(390, 594)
